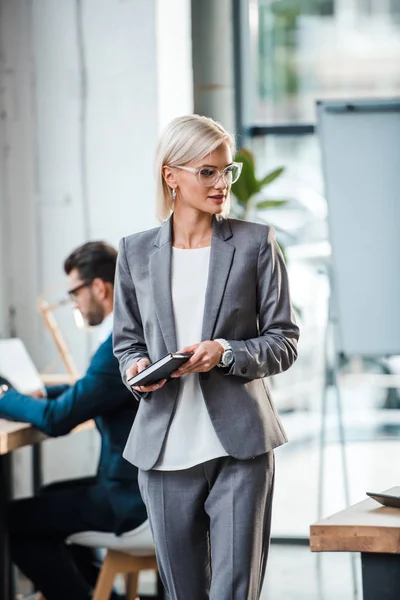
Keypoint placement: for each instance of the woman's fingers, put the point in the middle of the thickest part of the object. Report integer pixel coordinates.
(150, 388)
(205, 358)
(190, 364)
(186, 349)
(142, 364)
(137, 367)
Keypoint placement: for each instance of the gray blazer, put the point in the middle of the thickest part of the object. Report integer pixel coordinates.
(247, 303)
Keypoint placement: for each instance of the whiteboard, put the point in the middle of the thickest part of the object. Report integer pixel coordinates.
(360, 145)
(17, 367)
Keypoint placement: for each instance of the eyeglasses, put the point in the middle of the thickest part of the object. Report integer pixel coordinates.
(73, 294)
(209, 176)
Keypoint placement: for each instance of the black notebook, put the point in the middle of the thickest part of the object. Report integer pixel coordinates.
(161, 369)
(385, 499)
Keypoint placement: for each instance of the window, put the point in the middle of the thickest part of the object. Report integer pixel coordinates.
(293, 53)
(305, 50)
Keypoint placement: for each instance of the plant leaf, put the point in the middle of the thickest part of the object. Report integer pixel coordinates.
(271, 176)
(246, 154)
(282, 249)
(247, 185)
(270, 204)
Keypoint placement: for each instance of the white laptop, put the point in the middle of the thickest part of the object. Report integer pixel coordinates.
(17, 366)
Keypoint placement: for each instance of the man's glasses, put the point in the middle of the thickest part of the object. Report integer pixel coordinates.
(209, 176)
(73, 294)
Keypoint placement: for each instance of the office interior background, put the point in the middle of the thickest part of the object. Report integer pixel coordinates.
(86, 86)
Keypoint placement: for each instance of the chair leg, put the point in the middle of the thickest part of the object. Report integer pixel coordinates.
(132, 580)
(105, 579)
(114, 563)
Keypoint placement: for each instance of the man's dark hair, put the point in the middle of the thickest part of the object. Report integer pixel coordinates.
(91, 260)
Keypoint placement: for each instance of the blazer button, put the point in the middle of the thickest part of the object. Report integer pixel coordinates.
(243, 370)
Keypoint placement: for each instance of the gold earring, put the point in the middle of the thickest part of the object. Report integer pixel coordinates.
(174, 195)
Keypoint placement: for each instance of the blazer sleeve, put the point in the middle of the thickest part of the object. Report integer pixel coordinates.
(128, 336)
(275, 350)
(53, 391)
(88, 398)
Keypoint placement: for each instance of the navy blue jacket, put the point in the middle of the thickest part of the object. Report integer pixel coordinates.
(102, 396)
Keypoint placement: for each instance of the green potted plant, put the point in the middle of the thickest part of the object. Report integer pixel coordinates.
(248, 186)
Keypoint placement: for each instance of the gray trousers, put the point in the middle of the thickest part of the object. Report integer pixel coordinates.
(211, 527)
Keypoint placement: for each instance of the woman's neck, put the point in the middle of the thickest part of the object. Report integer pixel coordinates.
(191, 230)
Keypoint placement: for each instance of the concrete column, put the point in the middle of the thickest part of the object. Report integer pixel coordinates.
(174, 60)
(19, 252)
(213, 71)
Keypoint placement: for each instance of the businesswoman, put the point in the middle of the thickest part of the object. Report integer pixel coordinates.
(204, 440)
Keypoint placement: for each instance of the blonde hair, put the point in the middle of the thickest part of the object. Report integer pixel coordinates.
(186, 139)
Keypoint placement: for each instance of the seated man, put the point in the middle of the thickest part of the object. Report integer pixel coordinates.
(110, 501)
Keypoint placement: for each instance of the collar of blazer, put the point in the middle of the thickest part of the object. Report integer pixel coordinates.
(221, 228)
(221, 258)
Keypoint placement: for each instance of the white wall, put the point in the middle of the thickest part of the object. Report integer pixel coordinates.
(84, 89)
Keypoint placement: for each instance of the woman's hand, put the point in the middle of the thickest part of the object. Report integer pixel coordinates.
(206, 356)
(138, 367)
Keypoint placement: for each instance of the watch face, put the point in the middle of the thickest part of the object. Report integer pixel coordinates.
(227, 357)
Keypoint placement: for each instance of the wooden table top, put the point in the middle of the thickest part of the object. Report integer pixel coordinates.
(15, 435)
(364, 527)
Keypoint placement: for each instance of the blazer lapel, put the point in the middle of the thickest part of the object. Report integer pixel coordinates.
(220, 264)
(160, 276)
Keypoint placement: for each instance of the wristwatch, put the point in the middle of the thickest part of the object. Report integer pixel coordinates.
(227, 355)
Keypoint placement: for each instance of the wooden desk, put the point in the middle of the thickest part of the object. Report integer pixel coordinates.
(14, 435)
(374, 531)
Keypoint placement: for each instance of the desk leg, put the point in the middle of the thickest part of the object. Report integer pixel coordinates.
(380, 576)
(37, 468)
(160, 595)
(6, 570)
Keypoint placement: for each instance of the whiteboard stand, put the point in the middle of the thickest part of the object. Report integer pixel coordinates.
(331, 379)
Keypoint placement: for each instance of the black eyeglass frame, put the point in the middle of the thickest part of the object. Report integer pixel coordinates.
(72, 293)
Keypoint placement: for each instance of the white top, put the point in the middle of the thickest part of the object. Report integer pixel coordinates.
(191, 438)
(104, 329)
